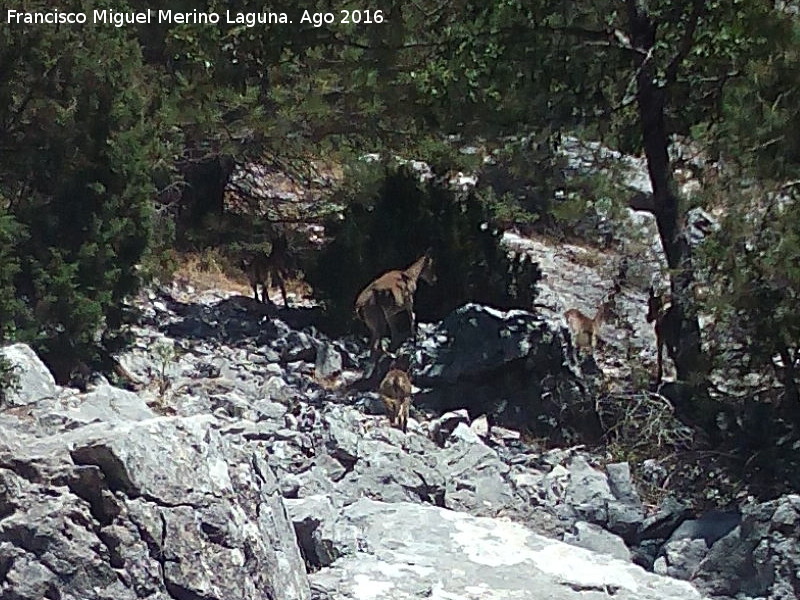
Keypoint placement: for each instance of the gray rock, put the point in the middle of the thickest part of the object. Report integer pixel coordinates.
(385, 472)
(98, 492)
(477, 479)
(595, 538)
(625, 513)
(312, 482)
(709, 527)
(285, 450)
(266, 410)
(680, 558)
(162, 507)
(480, 427)
(621, 484)
(108, 404)
(481, 339)
(402, 551)
(332, 468)
(501, 435)
(342, 437)
(307, 514)
(34, 379)
(700, 224)
(441, 427)
(297, 345)
(588, 491)
(370, 404)
(508, 365)
(760, 557)
(277, 389)
(661, 525)
(464, 433)
(328, 361)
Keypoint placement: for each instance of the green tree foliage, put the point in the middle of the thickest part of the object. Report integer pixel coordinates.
(755, 265)
(281, 95)
(10, 304)
(79, 143)
(753, 262)
(95, 119)
(634, 72)
(390, 224)
(759, 107)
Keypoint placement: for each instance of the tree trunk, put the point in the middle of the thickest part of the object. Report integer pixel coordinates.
(651, 98)
(791, 402)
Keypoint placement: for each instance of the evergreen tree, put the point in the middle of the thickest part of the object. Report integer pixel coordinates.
(391, 223)
(79, 141)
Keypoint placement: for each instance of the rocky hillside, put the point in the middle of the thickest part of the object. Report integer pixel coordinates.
(249, 465)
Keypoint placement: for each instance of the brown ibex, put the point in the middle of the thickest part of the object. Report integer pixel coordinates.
(272, 268)
(585, 330)
(382, 301)
(663, 314)
(395, 391)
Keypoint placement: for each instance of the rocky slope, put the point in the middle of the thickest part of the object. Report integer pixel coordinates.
(243, 469)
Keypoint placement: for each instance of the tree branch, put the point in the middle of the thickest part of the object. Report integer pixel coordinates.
(687, 41)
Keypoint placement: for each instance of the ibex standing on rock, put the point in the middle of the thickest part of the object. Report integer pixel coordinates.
(395, 391)
(585, 331)
(663, 314)
(382, 301)
(272, 268)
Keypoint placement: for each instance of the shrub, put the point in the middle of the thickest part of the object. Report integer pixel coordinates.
(10, 304)
(390, 223)
(9, 378)
(79, 171)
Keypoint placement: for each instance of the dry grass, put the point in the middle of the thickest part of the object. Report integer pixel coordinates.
(211, 270)
(642, 424)
(591, 258)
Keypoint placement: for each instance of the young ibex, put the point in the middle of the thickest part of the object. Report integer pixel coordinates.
(585, 331)
(663, 314)
(395, 391)
(272, 268)
(382, 301)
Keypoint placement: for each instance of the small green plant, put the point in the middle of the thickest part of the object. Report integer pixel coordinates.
(586, 202)
(9, 379)
(507, 211)
(166, 356)
(444, 156)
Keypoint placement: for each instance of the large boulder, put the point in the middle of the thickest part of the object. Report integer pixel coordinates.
(760, 557)
(33, 379)
(606, 499)
(476, 340)
(402, 551)
(513, 366)
(154, 508)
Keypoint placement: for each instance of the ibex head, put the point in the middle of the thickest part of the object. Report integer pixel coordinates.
(428, 274)
(605, 312)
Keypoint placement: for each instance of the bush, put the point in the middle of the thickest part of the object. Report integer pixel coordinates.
(521, 181)
(391, 222)
(10, 304)
(9, 379)
(79, 169)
